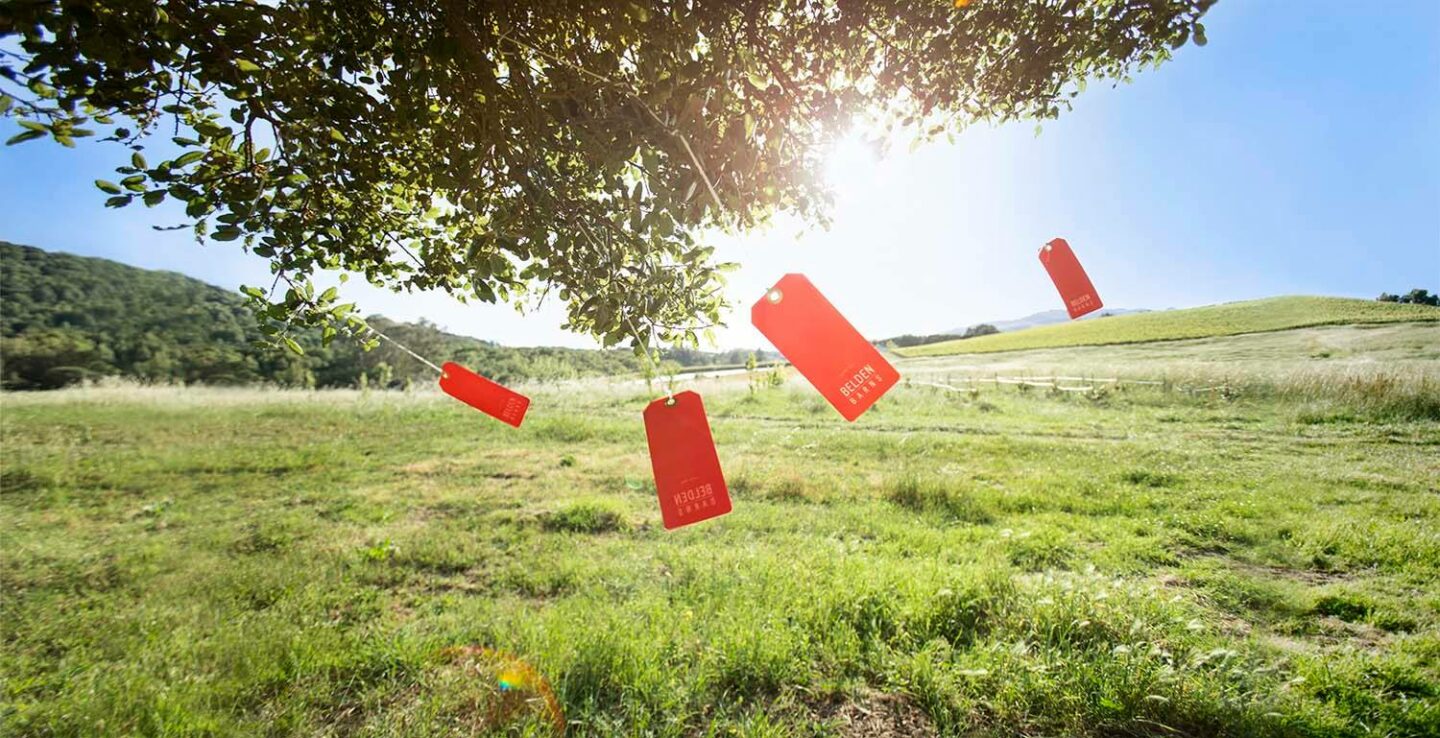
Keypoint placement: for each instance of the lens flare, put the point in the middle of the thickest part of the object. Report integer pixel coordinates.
(508, 690)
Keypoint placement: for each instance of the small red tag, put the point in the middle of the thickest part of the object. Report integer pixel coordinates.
(1069, 277)
(822, 344)
(682, 453)
(483, 395)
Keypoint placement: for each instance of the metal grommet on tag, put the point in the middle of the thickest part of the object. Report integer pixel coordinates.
(774, 296)
(670, 401)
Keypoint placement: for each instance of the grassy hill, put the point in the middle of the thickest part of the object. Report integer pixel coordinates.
(1251, 316)
(68, 318)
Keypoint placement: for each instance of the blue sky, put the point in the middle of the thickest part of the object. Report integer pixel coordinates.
(1297, 153)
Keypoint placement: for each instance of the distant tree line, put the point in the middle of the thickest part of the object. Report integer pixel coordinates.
(907, 340)
(1414, 297)
(65, 319)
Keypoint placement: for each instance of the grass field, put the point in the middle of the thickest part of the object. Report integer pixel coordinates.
(1253, 316)
(1125, 562)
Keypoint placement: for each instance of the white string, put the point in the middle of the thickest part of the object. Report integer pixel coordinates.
(406, 349)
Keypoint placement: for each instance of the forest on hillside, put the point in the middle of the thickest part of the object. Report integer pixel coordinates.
(66, 319)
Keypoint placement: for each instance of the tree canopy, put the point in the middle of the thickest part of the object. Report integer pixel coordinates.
(509, 151)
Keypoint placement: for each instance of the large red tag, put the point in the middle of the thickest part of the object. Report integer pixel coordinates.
(822, 344)
(1069, 277)
(483, 395)
(682, 453)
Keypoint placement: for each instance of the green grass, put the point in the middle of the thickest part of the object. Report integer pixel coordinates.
(1253, 316)
(1143, 563)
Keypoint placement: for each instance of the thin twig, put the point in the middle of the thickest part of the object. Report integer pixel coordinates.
(695, 160)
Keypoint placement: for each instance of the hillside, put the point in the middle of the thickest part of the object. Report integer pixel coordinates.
(1048, 317)
(65, 318)
(1252, 316)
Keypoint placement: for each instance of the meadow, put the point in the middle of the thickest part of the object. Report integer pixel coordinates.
(996, 560)
(1228, 319)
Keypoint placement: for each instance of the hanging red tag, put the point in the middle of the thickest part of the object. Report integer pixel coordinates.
(484, 395)
(822, 344)
(1069, 277)
(682, 454)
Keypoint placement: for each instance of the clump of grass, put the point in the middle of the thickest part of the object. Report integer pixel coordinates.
(741, 483)
(1358, 395)
(936, 497)
(1348, 607)
(262, 538)
(1047, 549)
(787, 489)
(1150, 478)
(584, 517)
(20, 480)
(562, 430)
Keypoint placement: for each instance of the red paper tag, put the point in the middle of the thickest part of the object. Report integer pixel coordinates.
(682, 453)
(1069, 277)
(822, 344)
(483, 395)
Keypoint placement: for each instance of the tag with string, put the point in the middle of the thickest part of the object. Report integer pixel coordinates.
(1070, 278)
(490, 398)
(688, 479)
(484, 395)
(846, 369)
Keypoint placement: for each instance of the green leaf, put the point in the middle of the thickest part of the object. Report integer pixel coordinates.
(23, 136)
(138, 161)
(188, 158)
(31, 125)
(293, 346)
(119, 202)
(336, 135)
(227, 233)
(154, 198)
(107, 187)
(246, 66)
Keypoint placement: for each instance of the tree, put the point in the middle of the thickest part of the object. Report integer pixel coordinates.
(508, 151)
(1421, 297)
(1413, 297)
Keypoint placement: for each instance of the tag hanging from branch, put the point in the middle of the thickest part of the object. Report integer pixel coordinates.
(498, 402)
(1070, 279)
(688, 479)
(847, 370)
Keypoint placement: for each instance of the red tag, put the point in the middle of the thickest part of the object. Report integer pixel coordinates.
(822, 344)
(682, 453)
(1069, 277)
(483, 395)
